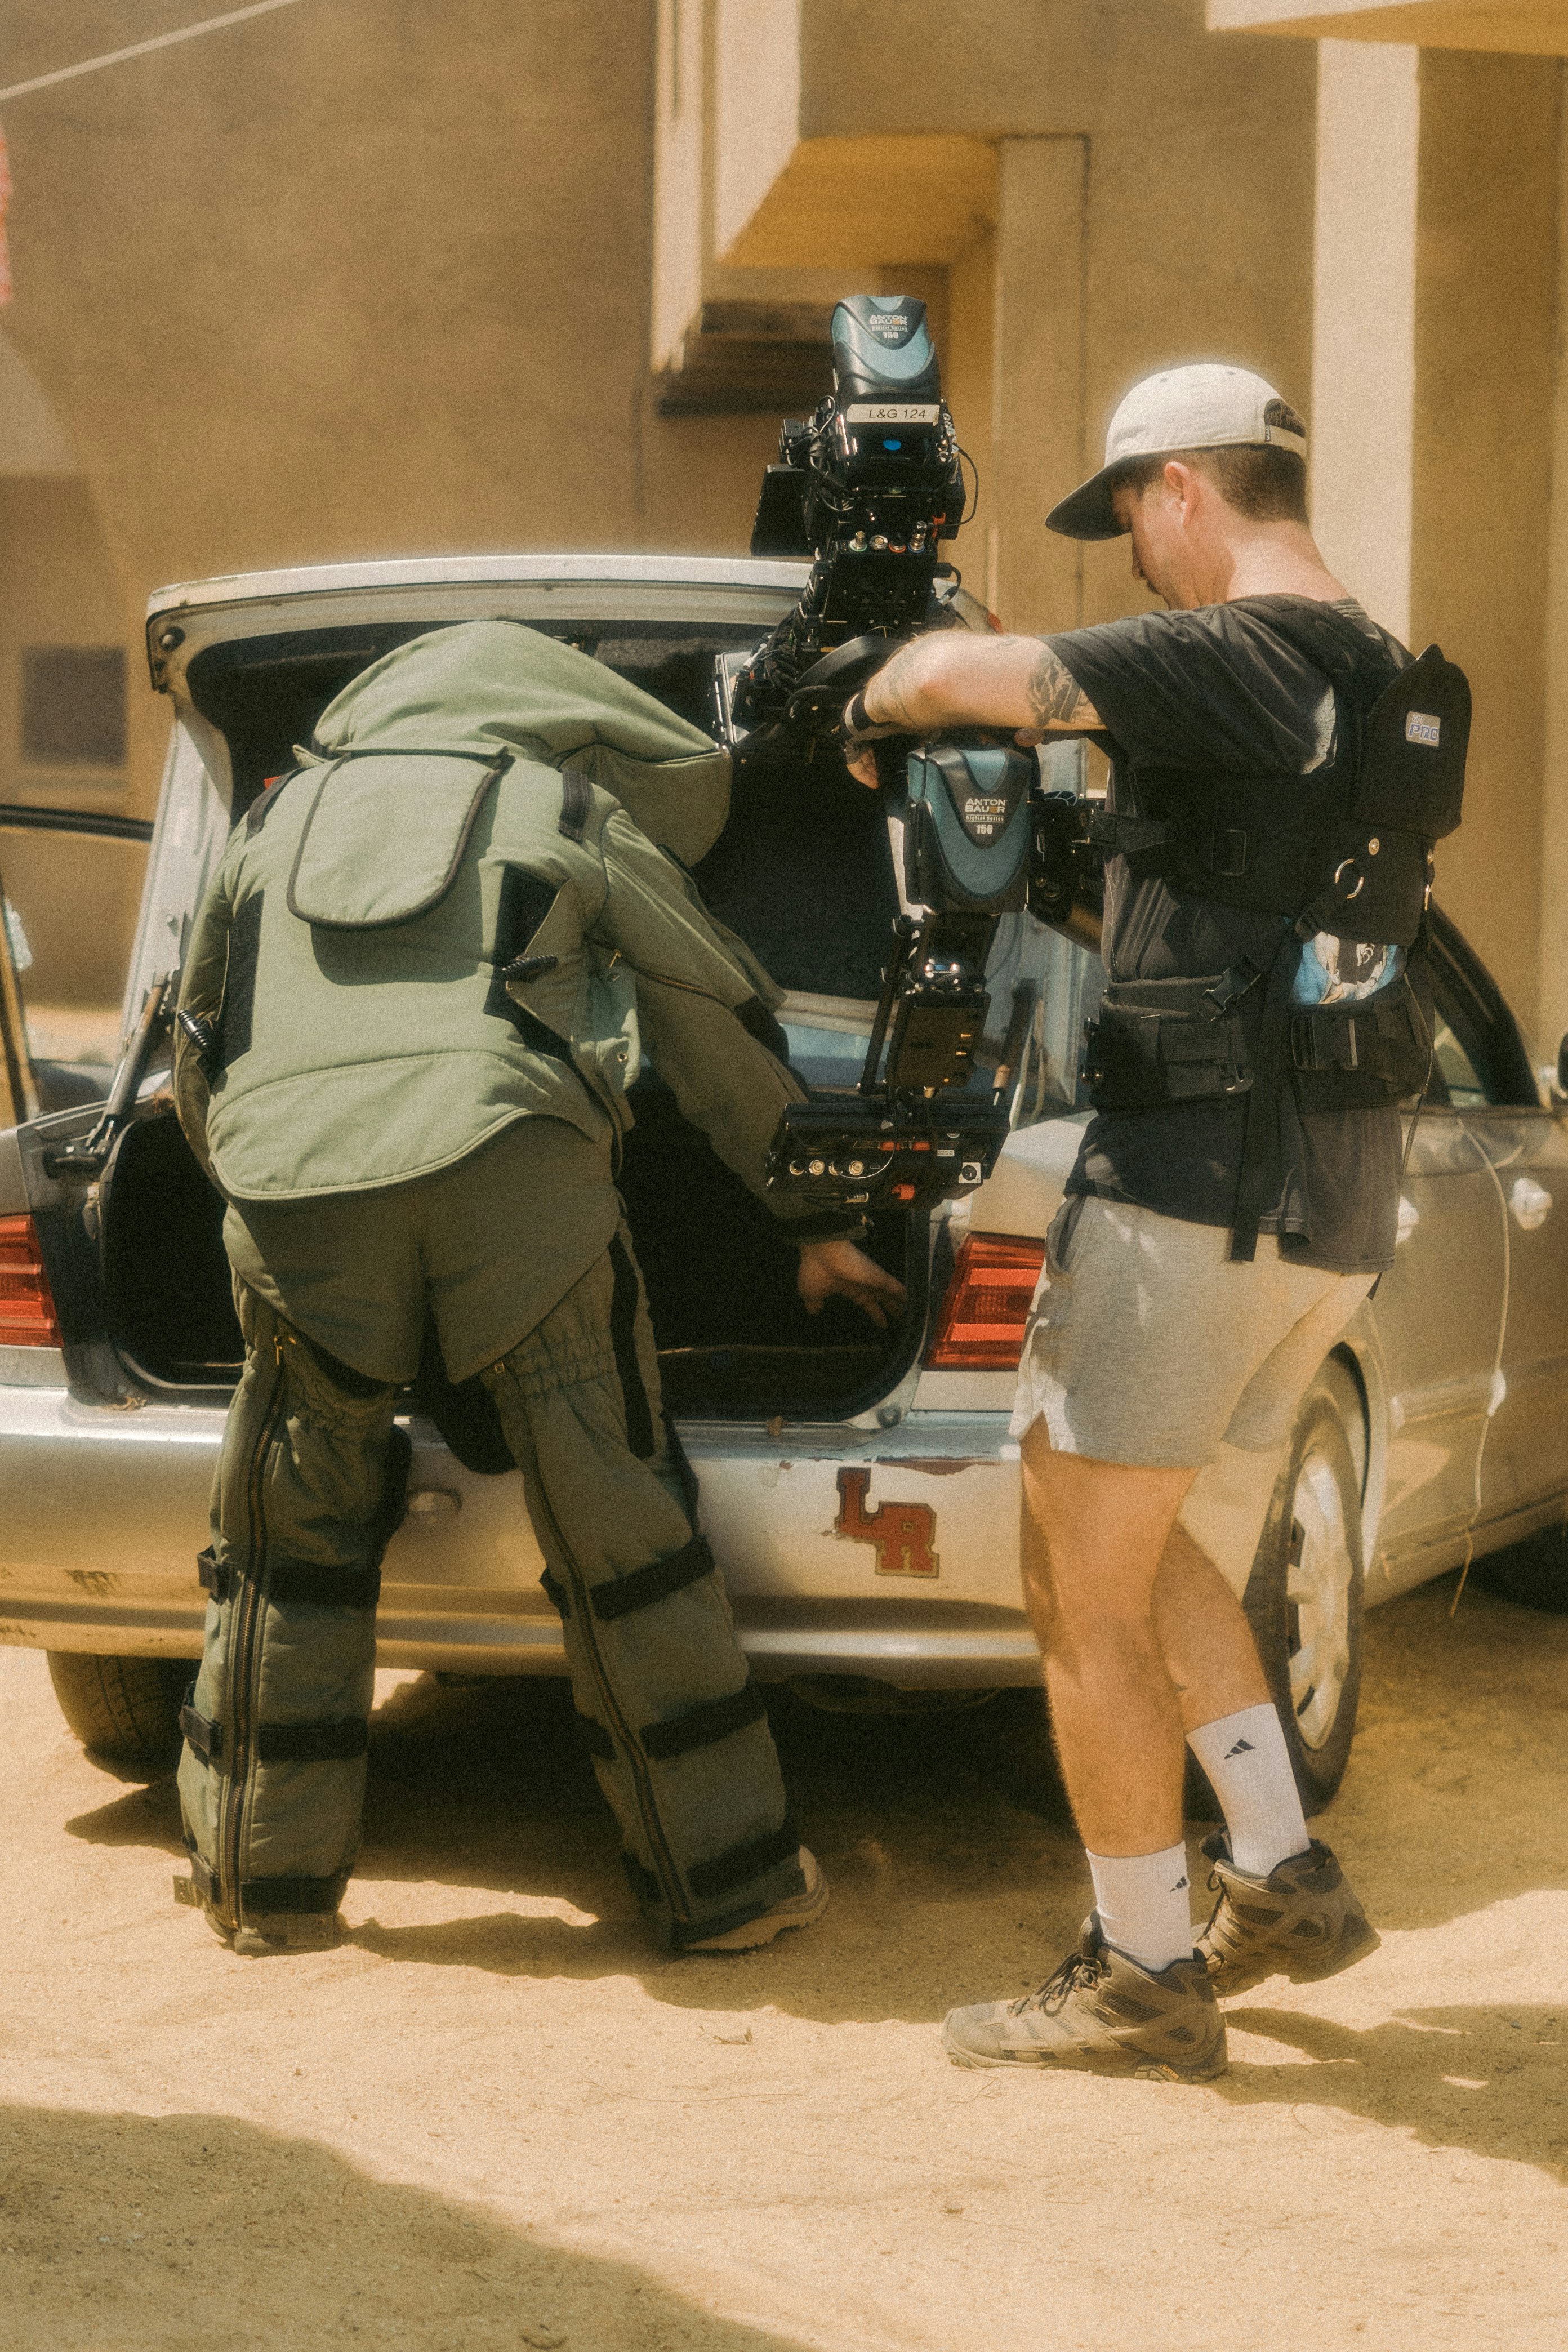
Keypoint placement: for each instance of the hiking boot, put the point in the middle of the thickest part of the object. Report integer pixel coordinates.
(791, 1911)
(1102, 2011)
(1301, 1921)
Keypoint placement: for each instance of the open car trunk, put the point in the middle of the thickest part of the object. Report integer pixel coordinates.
(803, 871)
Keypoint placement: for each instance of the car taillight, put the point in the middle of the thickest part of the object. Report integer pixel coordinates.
(27, 1317)
(981, 1326)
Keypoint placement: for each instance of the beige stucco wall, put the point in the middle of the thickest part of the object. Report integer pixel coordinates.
(357, 280)
(1481, 474)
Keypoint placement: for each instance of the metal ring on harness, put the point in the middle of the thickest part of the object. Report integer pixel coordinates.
(1360, 879)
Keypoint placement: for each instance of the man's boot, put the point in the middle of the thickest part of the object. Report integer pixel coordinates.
(1302, 1921)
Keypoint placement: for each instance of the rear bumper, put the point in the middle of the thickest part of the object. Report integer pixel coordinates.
(889, 1553)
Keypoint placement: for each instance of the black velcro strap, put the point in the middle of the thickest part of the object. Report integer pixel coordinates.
(261, 1897)
(595, 1737)
(644, 1586)
(201, 1735)
(203, 1880)
(743, 1862)
(214, 1577)
(327, 1585)
(337, 1742)
(699, 1727)
(555, 1592)
(576, 801)
(624, 1340)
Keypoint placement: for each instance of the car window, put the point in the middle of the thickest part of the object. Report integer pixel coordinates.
(70, 887)
(1478, 1055)
(1463, 1084)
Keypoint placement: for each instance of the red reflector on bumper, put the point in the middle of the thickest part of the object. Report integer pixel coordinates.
(27, 1317)
(981, 1326)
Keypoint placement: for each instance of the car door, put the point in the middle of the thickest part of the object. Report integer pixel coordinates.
(1492, 1084)
(1440, 1314)
(71, 885)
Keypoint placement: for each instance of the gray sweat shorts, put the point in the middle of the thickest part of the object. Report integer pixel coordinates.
(1147, 1346)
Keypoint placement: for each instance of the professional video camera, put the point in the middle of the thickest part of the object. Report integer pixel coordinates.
(867, 488)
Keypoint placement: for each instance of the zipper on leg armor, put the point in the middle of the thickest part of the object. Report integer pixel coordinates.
(242, 1636)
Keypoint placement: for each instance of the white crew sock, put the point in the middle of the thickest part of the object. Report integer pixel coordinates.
(1248, 1765)
(1145, 1905)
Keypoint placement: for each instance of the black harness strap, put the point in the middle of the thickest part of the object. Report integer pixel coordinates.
(261, 1897)
(1260, 1145)
(576, 803)
(340, 1741)
(555, 1592)
(324, 1585)
(699, 1727)
(644, 1586)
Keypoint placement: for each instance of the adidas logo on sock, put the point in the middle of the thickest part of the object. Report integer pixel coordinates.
(1180, 1882)
(1242, 1748)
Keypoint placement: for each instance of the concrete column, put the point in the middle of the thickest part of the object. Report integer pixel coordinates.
(1552, 1019)
(1363, 352)
(679, 171)
(1036, 579)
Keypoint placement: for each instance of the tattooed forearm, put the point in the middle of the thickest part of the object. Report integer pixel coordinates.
(1056, 697)
(887, 695)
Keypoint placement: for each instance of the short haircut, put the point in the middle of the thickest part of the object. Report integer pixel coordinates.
(1261, 480)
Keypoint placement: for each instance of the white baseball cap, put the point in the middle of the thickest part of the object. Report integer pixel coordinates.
(1201, 407)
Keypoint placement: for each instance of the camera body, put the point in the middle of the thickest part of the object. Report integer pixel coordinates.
(868, 487)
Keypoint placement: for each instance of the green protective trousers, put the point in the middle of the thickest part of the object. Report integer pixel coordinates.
(307, 1493)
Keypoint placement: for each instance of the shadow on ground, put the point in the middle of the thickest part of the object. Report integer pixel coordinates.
(1494, 2081)
(954, 1870)
(172, 2233)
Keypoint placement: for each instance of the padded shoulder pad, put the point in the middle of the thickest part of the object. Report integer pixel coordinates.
(1418, 733)
(386, 834)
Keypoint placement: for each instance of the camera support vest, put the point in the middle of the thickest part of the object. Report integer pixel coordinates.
(1346, 850)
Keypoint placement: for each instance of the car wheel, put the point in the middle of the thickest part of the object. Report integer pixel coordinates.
(1534, 1572)
(1304, 1597)
(123, 1710)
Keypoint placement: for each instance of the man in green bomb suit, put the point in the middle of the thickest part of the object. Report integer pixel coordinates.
(418, 990)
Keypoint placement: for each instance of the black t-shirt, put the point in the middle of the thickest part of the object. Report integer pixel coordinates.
(1219, 687)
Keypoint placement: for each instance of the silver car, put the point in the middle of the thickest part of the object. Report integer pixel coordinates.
(861, 1489)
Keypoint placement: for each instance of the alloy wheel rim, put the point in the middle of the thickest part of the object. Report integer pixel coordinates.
(1318, 1588)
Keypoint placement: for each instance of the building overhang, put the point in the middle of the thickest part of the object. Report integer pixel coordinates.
(1524, 27)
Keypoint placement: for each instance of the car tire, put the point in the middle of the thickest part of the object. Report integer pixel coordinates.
(1305, 1595)
(124, 1711)
(1533, 1572)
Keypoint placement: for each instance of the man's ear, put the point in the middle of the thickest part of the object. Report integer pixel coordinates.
(1181, 485)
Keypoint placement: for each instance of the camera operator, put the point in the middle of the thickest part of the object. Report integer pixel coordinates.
(1163, 1330)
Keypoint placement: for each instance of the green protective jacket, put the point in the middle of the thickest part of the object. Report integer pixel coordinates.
(457, 913)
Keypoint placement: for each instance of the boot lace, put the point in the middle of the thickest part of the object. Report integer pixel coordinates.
(1079, 1968)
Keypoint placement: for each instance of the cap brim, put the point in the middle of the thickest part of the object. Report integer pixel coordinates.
(1088, 512)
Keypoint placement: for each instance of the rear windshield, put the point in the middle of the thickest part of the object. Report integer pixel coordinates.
(802, 872)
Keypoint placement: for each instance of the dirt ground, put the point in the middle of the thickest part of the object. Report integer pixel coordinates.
(494, 2119)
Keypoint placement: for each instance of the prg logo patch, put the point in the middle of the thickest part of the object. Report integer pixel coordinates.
(1421, 727)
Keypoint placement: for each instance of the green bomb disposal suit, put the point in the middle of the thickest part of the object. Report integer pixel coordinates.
(428, 965)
